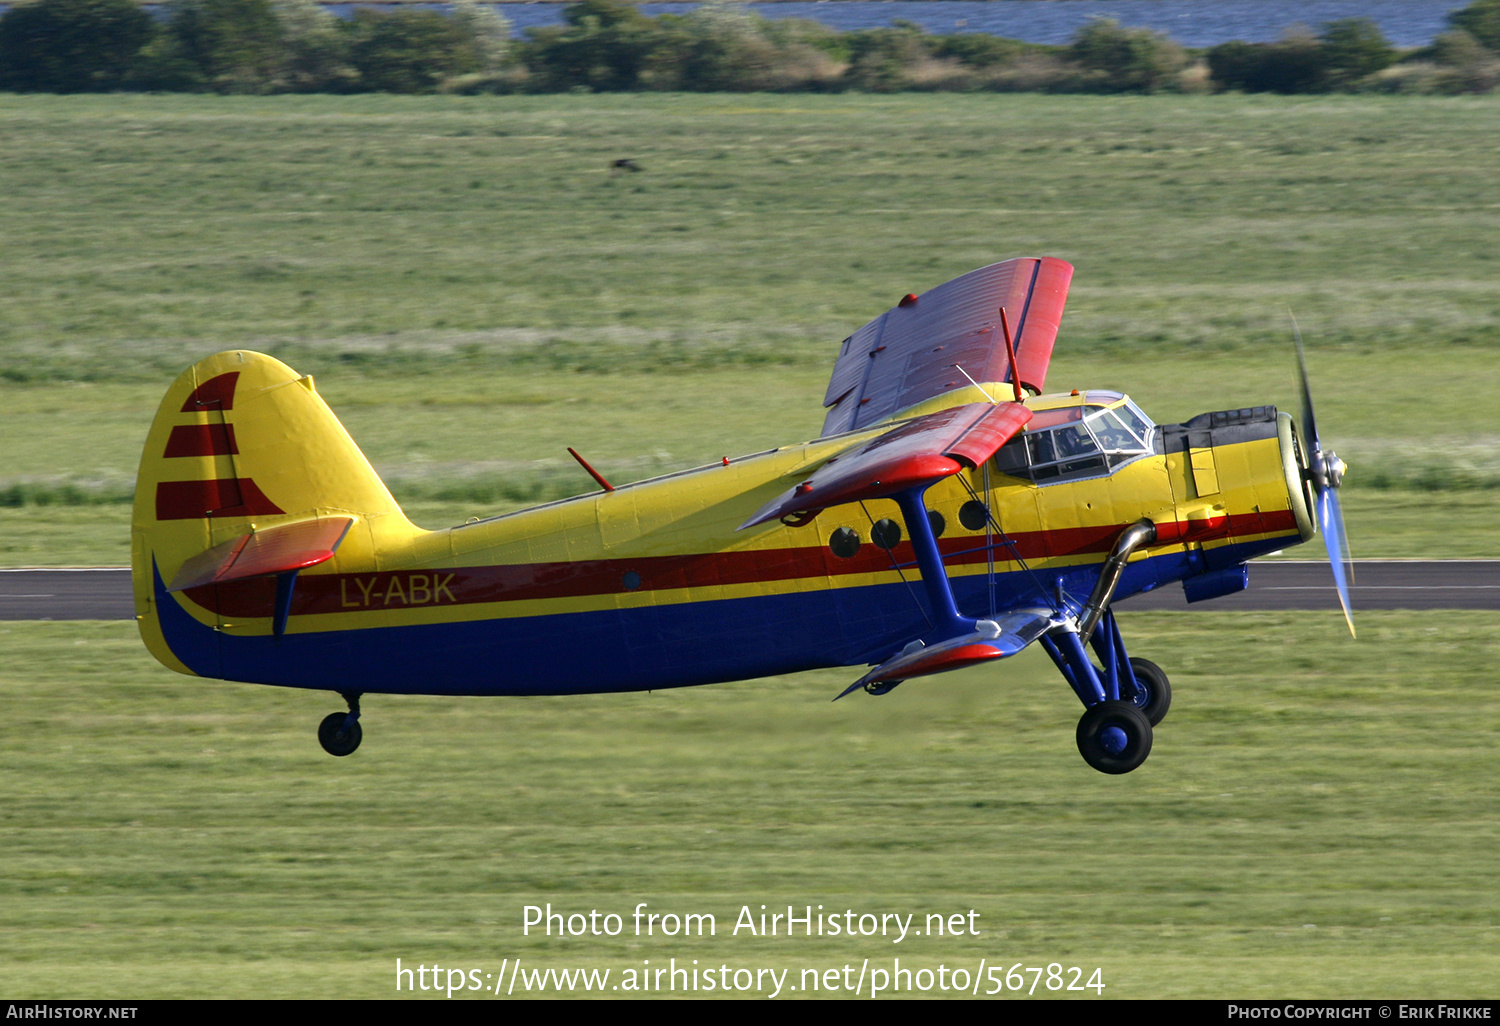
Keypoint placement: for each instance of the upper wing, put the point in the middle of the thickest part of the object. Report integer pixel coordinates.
(909, 353)
(917, 452)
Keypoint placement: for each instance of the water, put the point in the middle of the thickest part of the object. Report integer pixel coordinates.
(1406, 23)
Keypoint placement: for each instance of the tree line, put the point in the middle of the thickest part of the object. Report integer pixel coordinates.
(280, 46)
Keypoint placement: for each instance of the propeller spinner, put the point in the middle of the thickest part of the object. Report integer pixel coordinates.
(1325, 471)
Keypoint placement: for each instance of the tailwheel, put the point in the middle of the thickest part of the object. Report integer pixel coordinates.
(1114, 737)
(337, 735)
(1153, 691)
(884, 687)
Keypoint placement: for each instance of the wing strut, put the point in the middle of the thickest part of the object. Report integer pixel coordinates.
(954, 640)
(948, 621)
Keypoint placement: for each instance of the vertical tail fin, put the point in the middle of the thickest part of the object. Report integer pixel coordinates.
(242, 443)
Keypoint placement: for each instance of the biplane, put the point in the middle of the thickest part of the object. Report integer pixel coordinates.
(951, 513)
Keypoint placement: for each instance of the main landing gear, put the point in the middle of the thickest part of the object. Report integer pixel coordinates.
(1122, 700)
(1153, 692)
(1114, 737)
(339, 733)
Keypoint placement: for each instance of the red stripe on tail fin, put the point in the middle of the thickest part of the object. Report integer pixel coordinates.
(216, 497)
(216, 392)
(201, 440)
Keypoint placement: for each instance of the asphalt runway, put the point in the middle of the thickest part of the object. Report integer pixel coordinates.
(104, 593)
(1377, 584)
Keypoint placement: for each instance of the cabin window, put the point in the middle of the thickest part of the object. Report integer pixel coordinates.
(1077, 442)
(844, 542)
(886, 534)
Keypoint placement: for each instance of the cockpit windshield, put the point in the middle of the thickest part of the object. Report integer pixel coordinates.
(1095, 437)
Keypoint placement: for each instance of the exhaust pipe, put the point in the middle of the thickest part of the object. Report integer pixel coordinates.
(1142, 532)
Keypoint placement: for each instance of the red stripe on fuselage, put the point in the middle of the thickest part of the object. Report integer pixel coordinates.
(424, 588)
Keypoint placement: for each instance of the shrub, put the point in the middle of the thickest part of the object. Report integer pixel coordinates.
(231, 46)
(489, 33)
(724, 46)
(1131, 60)
(71, 46)
(1457, 48)
(607, 46)
(1346, 52)
(1464, 64)
(1234, 64)
(1481, 19)
(879, 58)
(409, 51)
(1033, 73)
(315, 49)
(1293, 65)
(978, 50)
(1352, 49)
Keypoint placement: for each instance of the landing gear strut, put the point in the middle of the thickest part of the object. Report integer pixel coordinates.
(1122, 700)
(339, 733)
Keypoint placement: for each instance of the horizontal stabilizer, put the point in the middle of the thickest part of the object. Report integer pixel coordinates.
(916, 453)
(274, 550)
(994, 639)
(939, 341)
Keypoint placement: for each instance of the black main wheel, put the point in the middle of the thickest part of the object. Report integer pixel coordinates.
(1158, 690)
(337, 739)
(1114, 737)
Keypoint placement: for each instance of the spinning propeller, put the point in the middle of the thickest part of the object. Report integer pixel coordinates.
(1325, 471)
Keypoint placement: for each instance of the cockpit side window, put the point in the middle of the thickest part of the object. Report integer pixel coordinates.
(1076, 442)
(1011, 459)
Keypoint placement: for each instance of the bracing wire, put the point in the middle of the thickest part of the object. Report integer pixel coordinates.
(989, 539)
(895, 565)
(1009, 543)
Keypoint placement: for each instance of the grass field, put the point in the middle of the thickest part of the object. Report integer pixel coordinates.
(140, 228)
(1316, 819)
(475, 290)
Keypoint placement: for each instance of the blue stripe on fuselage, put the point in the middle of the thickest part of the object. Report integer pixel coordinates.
(635, 649)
